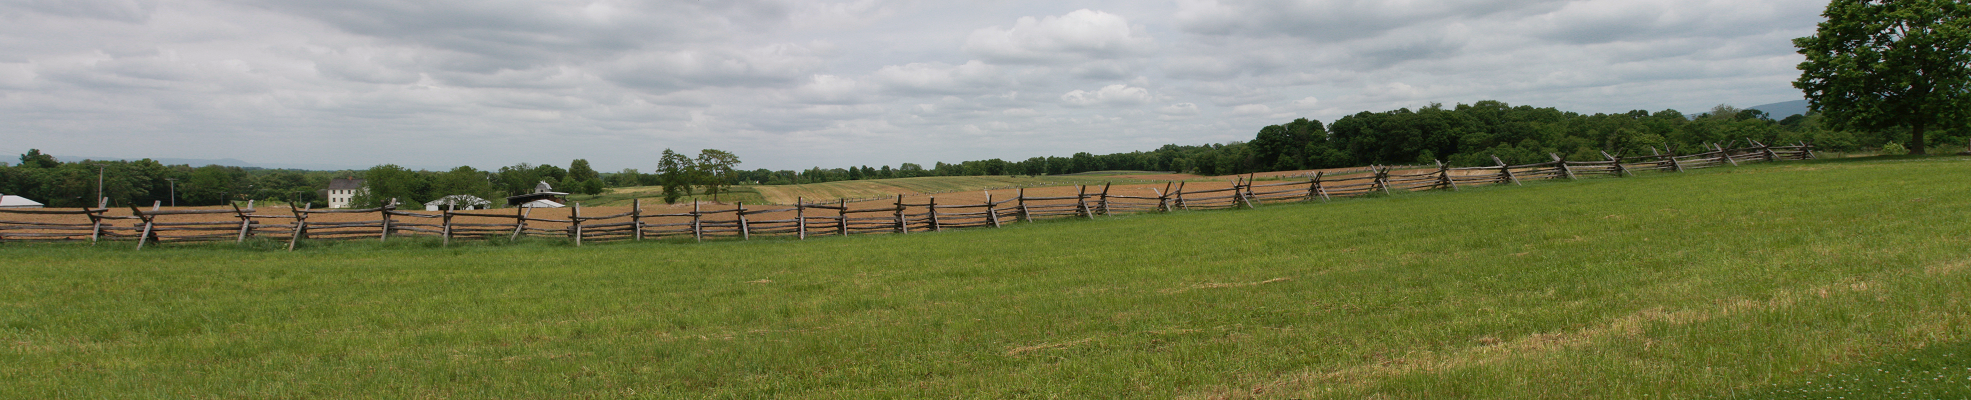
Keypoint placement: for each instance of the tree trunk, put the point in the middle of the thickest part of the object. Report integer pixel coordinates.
(1917, 145)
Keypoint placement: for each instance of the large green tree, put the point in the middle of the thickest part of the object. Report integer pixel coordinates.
(1879, 64)
(388, 181)
(715, 170)
(582, 178)
(675, 171)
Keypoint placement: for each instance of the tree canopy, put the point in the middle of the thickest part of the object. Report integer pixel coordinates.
(1880, 64)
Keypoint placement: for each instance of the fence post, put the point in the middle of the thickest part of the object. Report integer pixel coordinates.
(146, 235)
(1505, 170)
(636, 219)
(1617, 161)
(1163, 197)
(1723, 153)
(1023, 206)
(1104, 202)
(446, 219)
(1318, 188)
(520, 222)
(1180, 197)
(1444, 171)
(745, 232)
(903, 223)
(1081, 202)
(1382, 178)
(300, 224)
(697, 227)
(842, 224)
(1243, 192)
(575, 218)
(934, 215)
(244, 222)
(1768, 150)
(801, 218)
(992, 210)
(96, 220)
(383, 214)
(1563, 166)
(1674, 165)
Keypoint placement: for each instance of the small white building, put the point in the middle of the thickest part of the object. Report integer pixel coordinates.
(457, 202)
(543, 196)
(12, 201)
(341, 190)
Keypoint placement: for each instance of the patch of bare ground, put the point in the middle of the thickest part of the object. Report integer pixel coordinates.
(1216, 285)
(1046, 346)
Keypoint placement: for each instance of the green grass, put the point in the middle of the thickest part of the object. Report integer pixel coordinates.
(1748, 282)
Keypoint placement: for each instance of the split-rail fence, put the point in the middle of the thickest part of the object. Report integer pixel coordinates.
(805, 219)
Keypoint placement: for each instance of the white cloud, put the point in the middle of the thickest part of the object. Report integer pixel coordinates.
(830, 89)
(1111, 95)
(829, 83)
(1179, 109)
(938, 78)
(1335, 20)
(660, 72)
(129, 11)
(1078, 35)
(1251, 109)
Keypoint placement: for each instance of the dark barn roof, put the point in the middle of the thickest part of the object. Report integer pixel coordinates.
(345, 184)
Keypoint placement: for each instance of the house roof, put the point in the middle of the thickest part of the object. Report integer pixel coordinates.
(461, 199)
(542, 203)
(345, 184)
(12, 201)
(517, 200)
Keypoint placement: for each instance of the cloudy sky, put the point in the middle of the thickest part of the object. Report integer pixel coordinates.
(797, 84)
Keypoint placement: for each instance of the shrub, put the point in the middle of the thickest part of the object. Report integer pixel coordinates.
(1894, 149)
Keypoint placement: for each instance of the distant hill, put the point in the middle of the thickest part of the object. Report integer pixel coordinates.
(169, 161)
(1783, 109)
(232, 162)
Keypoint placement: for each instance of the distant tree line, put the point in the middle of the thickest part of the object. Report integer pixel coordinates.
(42, 178)
(1465, 135)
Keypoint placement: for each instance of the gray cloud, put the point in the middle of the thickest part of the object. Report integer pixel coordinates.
(1075, 36)
(1337, 20)
(130, 11)
(790, 84)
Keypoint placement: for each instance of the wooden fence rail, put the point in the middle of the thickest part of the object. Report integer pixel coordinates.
(807, 219)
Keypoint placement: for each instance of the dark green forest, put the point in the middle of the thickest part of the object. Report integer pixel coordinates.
(1464, 135)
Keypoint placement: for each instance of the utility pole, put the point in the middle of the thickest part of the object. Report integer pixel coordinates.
(174, 191)
(99, 181)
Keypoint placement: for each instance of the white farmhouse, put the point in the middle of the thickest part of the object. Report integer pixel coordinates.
(340, 190)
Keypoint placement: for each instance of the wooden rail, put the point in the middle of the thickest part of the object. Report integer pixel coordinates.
(158, 226)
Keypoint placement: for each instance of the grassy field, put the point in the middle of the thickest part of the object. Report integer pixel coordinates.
(1839, 278)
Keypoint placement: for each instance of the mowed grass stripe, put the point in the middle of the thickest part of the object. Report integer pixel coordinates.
(1719, 282)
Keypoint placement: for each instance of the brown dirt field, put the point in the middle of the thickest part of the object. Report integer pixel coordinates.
(124, 227)
(273, 215)
(1300, 174)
